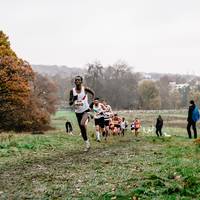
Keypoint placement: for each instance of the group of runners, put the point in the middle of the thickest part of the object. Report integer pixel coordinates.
(106, 122)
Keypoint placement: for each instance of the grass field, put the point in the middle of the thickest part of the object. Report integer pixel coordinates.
(54, 166)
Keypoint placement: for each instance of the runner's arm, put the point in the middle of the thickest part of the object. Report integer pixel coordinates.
(71, 98)
(90, 91)
(91, 105)
(110, 109)
(103, 107)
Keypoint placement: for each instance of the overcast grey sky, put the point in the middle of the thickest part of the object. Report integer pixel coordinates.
(150, 35)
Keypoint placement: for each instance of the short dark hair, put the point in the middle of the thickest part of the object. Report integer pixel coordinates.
(96, 98)
(79, 77)
(192, 102)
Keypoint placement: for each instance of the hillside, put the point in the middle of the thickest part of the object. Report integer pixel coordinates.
(65, 71)
(52, 70)
(54, 166)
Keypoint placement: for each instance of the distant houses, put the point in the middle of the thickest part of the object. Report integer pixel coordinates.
(191, 85)
(174, 86)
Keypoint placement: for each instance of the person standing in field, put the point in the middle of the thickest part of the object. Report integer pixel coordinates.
(159, 125)
(68, 127)
(79, 98)
(193, 117)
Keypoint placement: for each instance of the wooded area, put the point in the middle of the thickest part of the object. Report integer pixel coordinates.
(125, 89)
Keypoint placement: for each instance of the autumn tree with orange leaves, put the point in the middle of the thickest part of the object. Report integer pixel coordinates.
(20, 109)
(43, 99)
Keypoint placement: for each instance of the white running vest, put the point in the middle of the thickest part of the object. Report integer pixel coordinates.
(97, 110)
(81, 104)
(107, 112)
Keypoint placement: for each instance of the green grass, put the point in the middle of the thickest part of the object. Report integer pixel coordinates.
(54, 166)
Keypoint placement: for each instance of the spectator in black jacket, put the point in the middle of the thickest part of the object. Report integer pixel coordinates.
(68, 127)
(159, 125)
(191, 122)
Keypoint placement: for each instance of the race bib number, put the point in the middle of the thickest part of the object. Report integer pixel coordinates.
(78, 103)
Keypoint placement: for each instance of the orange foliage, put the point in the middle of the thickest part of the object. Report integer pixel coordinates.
(19, 105)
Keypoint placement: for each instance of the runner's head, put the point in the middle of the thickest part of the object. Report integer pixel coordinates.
(115, 116)
(78, 80)
(192, 102)
(96, 101)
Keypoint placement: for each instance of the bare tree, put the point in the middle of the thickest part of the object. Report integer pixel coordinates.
(149, 95)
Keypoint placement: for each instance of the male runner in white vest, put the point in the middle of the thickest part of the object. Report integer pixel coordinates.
(78, 98)
(98, 109)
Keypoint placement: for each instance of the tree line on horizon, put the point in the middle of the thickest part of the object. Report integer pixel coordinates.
(123, 88)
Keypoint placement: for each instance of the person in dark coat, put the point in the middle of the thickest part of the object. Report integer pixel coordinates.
(159, 125)
(191, 122)
(68, 127)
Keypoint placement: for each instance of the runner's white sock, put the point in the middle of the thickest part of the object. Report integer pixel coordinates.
(98, 135)
(87, 142)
